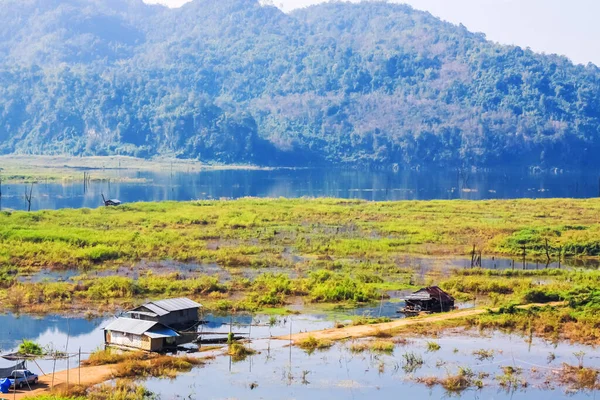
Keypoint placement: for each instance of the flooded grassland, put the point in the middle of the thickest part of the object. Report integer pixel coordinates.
(279, 267)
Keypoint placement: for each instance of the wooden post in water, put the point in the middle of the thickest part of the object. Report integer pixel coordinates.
(79, 366)
(15, 385)
(53, 370)
(559, 256)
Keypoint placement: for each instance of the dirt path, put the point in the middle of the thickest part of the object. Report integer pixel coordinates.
(89, 376)
(370, 330)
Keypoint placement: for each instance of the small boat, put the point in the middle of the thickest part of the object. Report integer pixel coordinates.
(111, 202)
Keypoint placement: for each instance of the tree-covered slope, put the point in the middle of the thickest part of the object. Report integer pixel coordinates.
(233, 81)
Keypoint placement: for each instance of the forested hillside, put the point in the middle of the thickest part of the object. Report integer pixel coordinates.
(236, 82)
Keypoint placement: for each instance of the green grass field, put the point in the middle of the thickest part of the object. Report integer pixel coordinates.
(325, 251)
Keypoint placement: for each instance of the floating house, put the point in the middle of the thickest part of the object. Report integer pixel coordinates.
(430, 299)
(137, 334)
(181, 313)
(155, 326)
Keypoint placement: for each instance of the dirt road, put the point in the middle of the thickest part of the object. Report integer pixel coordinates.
(360, 331)
(89, 376)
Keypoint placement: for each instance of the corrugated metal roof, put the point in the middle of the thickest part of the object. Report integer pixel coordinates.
(161, 332)
(429, 293)
(181, 303)
(148, 314)
(129, 325)
(156, 309)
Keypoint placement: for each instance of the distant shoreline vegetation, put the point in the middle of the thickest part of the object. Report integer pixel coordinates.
(41, 168)
(234, 82)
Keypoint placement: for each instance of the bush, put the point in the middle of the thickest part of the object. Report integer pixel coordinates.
(540, 296)
(30, 348)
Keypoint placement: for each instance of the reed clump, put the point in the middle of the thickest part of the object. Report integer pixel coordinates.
(312, 343)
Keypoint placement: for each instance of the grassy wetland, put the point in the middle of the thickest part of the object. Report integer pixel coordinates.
(275, 253)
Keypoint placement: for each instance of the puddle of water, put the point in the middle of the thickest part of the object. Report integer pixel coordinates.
(425, 264)
(421, 265)
(290, 373)
(47, 275)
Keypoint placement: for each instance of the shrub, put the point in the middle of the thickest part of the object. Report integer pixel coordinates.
(30, 348)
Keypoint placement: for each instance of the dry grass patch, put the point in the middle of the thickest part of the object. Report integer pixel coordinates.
(578, 377)
(160, 366)
(111, 356)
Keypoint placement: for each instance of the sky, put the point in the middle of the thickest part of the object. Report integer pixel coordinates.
(566, 27)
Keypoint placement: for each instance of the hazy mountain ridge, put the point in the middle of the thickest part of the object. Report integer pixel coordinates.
(232, 81)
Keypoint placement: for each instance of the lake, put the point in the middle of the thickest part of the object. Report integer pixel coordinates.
(280, 372)
(291, 183)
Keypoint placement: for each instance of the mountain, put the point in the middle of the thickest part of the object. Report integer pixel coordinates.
(236, 82)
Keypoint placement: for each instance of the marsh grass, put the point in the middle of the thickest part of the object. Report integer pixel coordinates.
(464, 379)
(160, 366)
(382, 346)
(483, 354)
(112, 356)
(578, 377)
(239, 352)
(349, 251)
(122, 389)
(433, 346)
(511, 379)
(412, 362)
(311, 343)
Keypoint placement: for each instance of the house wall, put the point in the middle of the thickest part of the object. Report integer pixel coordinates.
(182, 317)
(128, 340)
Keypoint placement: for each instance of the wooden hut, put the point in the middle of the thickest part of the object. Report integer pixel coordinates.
(142, 335)
(430, 299)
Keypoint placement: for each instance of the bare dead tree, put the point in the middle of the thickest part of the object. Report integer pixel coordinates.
(28, 197)
(547, 248)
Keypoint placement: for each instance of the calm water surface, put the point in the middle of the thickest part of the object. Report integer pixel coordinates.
(353, 184)
(283, 373)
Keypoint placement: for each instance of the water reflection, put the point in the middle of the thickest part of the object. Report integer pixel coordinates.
(53, 332)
